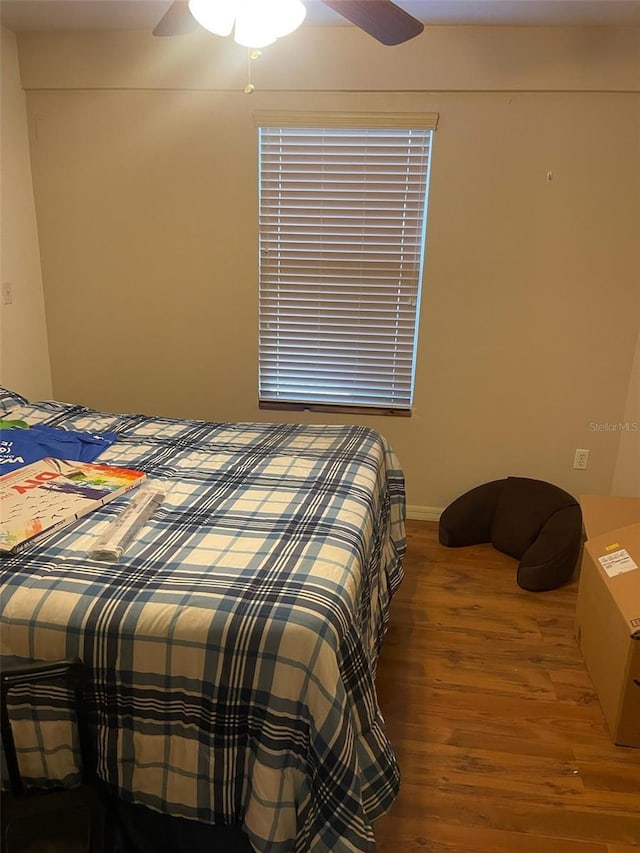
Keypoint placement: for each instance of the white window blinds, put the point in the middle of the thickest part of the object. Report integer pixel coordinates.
(342, 214)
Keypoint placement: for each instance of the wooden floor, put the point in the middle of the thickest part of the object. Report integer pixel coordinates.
(501, 740)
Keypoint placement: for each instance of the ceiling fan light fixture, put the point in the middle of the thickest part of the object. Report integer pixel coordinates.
(261, 22)
(255, 27)
(217, 16)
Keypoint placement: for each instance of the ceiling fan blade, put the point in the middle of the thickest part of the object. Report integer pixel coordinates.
(382, 19)
(176, 21)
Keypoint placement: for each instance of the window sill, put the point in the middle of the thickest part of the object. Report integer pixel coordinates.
(384, 411)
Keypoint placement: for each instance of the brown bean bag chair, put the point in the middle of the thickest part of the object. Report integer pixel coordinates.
(534, 521)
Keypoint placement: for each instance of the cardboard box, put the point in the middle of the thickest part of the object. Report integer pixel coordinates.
(602, 514)
(608, 610)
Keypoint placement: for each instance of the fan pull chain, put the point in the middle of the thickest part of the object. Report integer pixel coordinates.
(252, 54)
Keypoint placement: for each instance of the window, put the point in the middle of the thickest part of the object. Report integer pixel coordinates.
(342, 219)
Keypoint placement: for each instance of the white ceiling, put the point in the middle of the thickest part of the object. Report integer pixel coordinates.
(21, 15)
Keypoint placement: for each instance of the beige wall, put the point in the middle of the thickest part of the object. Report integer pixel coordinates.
(626, 479)
(144, 161)
(24, 353)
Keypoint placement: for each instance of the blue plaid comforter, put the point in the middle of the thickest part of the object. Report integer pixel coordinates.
(234, 645)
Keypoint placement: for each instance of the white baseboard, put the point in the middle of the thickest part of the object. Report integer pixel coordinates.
(424, 513)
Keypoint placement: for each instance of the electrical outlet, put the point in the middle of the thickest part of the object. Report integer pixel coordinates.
(581, 459)
(7, 293)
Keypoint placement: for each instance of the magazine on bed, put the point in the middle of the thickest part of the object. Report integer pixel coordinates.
(52, 493)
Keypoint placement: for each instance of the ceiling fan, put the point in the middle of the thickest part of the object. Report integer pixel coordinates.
(382, 19)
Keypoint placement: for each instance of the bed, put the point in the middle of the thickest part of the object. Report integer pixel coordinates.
(233, 647)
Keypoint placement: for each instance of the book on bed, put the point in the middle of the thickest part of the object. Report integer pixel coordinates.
(52, 493)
